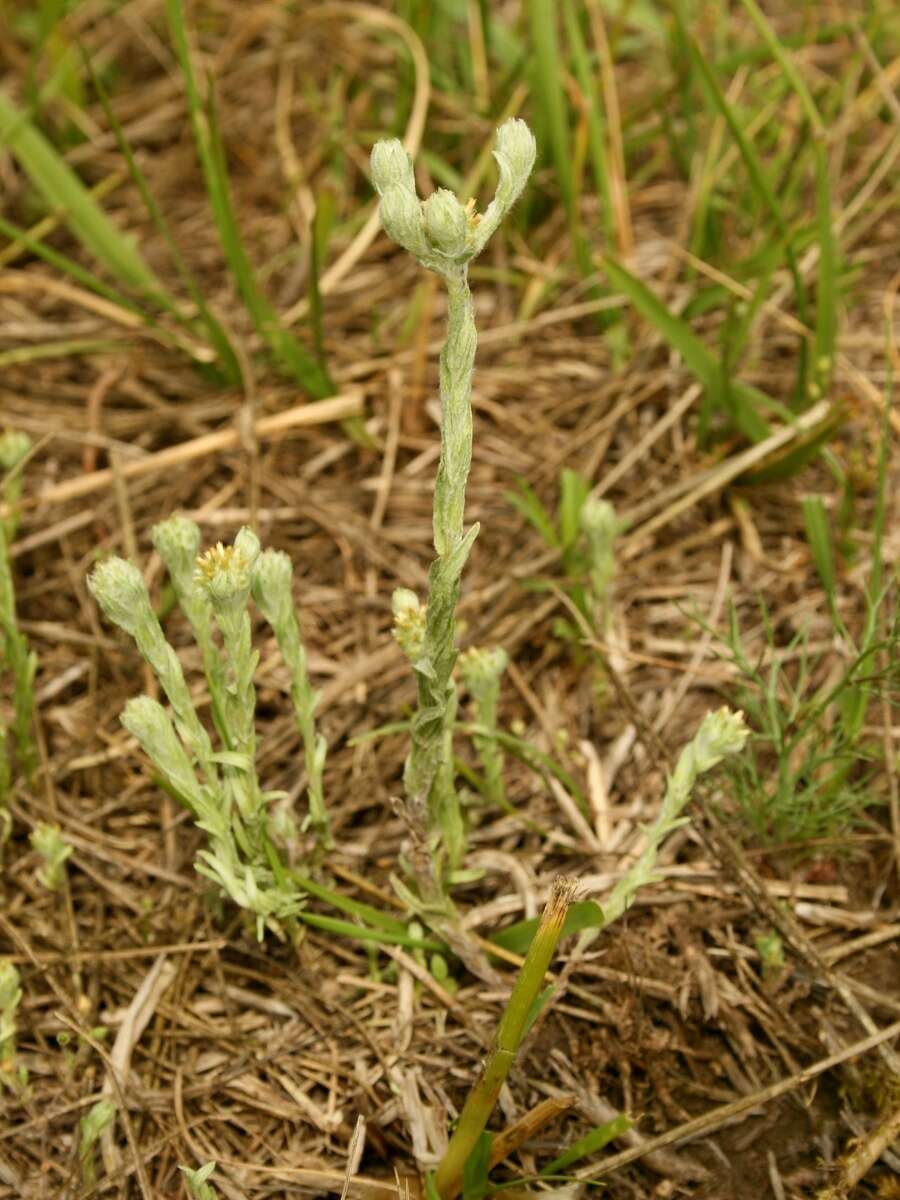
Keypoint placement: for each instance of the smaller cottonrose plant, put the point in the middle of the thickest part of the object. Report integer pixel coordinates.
(53, 850)
(600, 527)
(481, 671)
(221, 786)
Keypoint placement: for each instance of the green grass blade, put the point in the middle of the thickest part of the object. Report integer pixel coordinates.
(64, 192)
(363, 933)
(826, 318)
(322, 222)
(786, 463)
(548, 83)
(525, 500)
(596, 126)
(594, 1140)
(549, 93)
(753, 166)
(744, 410)
(584, 914)
(288, 352)
(755, 172)
(477, 1169)
(51, 44)
(805, 39)
(355, 908)
(818, 534)
(787, 64)
(216, 334)
(827, 283)
(65, 265)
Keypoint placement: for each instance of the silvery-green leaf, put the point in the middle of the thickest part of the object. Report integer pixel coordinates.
(391, 166)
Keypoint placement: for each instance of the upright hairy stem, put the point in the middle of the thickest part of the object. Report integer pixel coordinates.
(457, 365)
(427, 786)
(272, 590)
(443, 236)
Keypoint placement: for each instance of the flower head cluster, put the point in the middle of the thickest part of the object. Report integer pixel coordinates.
(721, 734)
(440, 232)
(410, 617)
(224, 572)
(177, 542)
(481, 668)
(222, 789)
(272, 585)
(122, 594)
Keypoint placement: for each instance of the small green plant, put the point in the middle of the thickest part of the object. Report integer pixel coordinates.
(770, 948)
(481, 672)
(584, 535)
(196, 1182)
(74, 1047)
(90, 1129)
(443, 236)
(11, 1075)
(49, 844)
(15, 656)
(226, 800)
(807, 771)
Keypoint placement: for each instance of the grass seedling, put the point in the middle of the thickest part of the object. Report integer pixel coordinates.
(226, 800)
(90, 1129)
(10, 998)
(806, 774)
(521, 1009)
(443, 236)
(14, 653)
(49, 844)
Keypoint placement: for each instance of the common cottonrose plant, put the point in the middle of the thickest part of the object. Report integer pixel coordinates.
(444, 236)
